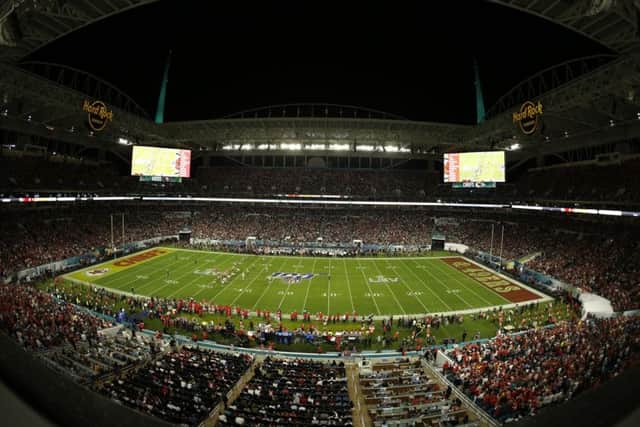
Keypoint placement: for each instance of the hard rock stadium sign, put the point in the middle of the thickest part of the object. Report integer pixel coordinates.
(528, 117)
(98, 114)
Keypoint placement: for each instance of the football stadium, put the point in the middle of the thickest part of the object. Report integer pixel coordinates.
(288, 214)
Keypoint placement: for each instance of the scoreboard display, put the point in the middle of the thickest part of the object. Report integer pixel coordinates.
(482, 166)
(163, 162)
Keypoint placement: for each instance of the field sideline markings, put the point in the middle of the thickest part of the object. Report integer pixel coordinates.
(158, 273)
(115, 284)
(196, 278)
(306, 296)
(391, 290)
(469, 287)
(228, 285)
(157, 290)
(329, 289)
(224, 288)
(366, 282)
(265, 289)
(116, 275)
(457, 294)
(543, 297)
(284, 294)
(346, 272)
(426, 286)
(187, 268)
(404, 282)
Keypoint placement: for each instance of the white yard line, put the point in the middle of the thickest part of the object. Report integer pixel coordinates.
(228, 285)
(346, 273)
(411, 290)
(469, 288)
(265, 289)
(366, 282)
(515, 282)
(426, 286)
(390, 290)
(306, 296)
(329, 289)
(457, 294)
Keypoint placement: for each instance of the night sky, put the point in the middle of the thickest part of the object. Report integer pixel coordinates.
(414, 60)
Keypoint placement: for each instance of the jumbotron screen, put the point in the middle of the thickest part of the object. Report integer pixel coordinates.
(482, 166)
(154, 161)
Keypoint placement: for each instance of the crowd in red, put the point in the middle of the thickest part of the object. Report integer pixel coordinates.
(38, 321)
(512, 376)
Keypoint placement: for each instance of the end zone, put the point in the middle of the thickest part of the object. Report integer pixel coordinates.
(120, 264)
(505, 287)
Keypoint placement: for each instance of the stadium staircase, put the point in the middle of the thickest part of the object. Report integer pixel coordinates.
(360, 415)
(233, 394)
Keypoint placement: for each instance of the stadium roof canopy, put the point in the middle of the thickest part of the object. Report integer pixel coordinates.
(586, 100)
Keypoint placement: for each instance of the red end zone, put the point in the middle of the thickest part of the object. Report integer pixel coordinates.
(510, 290)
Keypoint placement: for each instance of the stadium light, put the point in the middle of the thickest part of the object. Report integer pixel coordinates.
(365, 148)
(290, 146)
(391, 148)
(315, 147)
(124, 141)
(246, 147)
(339, 147)
(515, 146)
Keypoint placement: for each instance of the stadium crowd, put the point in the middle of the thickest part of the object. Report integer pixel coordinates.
(182, 387)
(601, 261)
(512, 376)
(38, 321)
(292, 393)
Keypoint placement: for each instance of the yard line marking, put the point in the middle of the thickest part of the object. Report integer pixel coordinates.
(172, 279)
(126, 282)
(426, 310)
(185, 267)
(329, 289)
(284, 295)
(197, 278)
(115, 277)
(366, 282)
(448, 288)
(313, 270)
(346, 272)
(427, 287)
(470, 288)
(228, 286)
(390, 290)
(265, 289)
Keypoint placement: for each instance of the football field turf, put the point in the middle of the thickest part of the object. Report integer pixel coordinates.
(378, 286)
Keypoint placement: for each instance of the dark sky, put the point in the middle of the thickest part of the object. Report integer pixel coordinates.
(414, 59)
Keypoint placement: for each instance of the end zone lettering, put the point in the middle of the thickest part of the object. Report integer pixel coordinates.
(509, 290)
(139, 258)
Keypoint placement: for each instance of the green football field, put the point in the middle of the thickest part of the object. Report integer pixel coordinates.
(378, 286)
